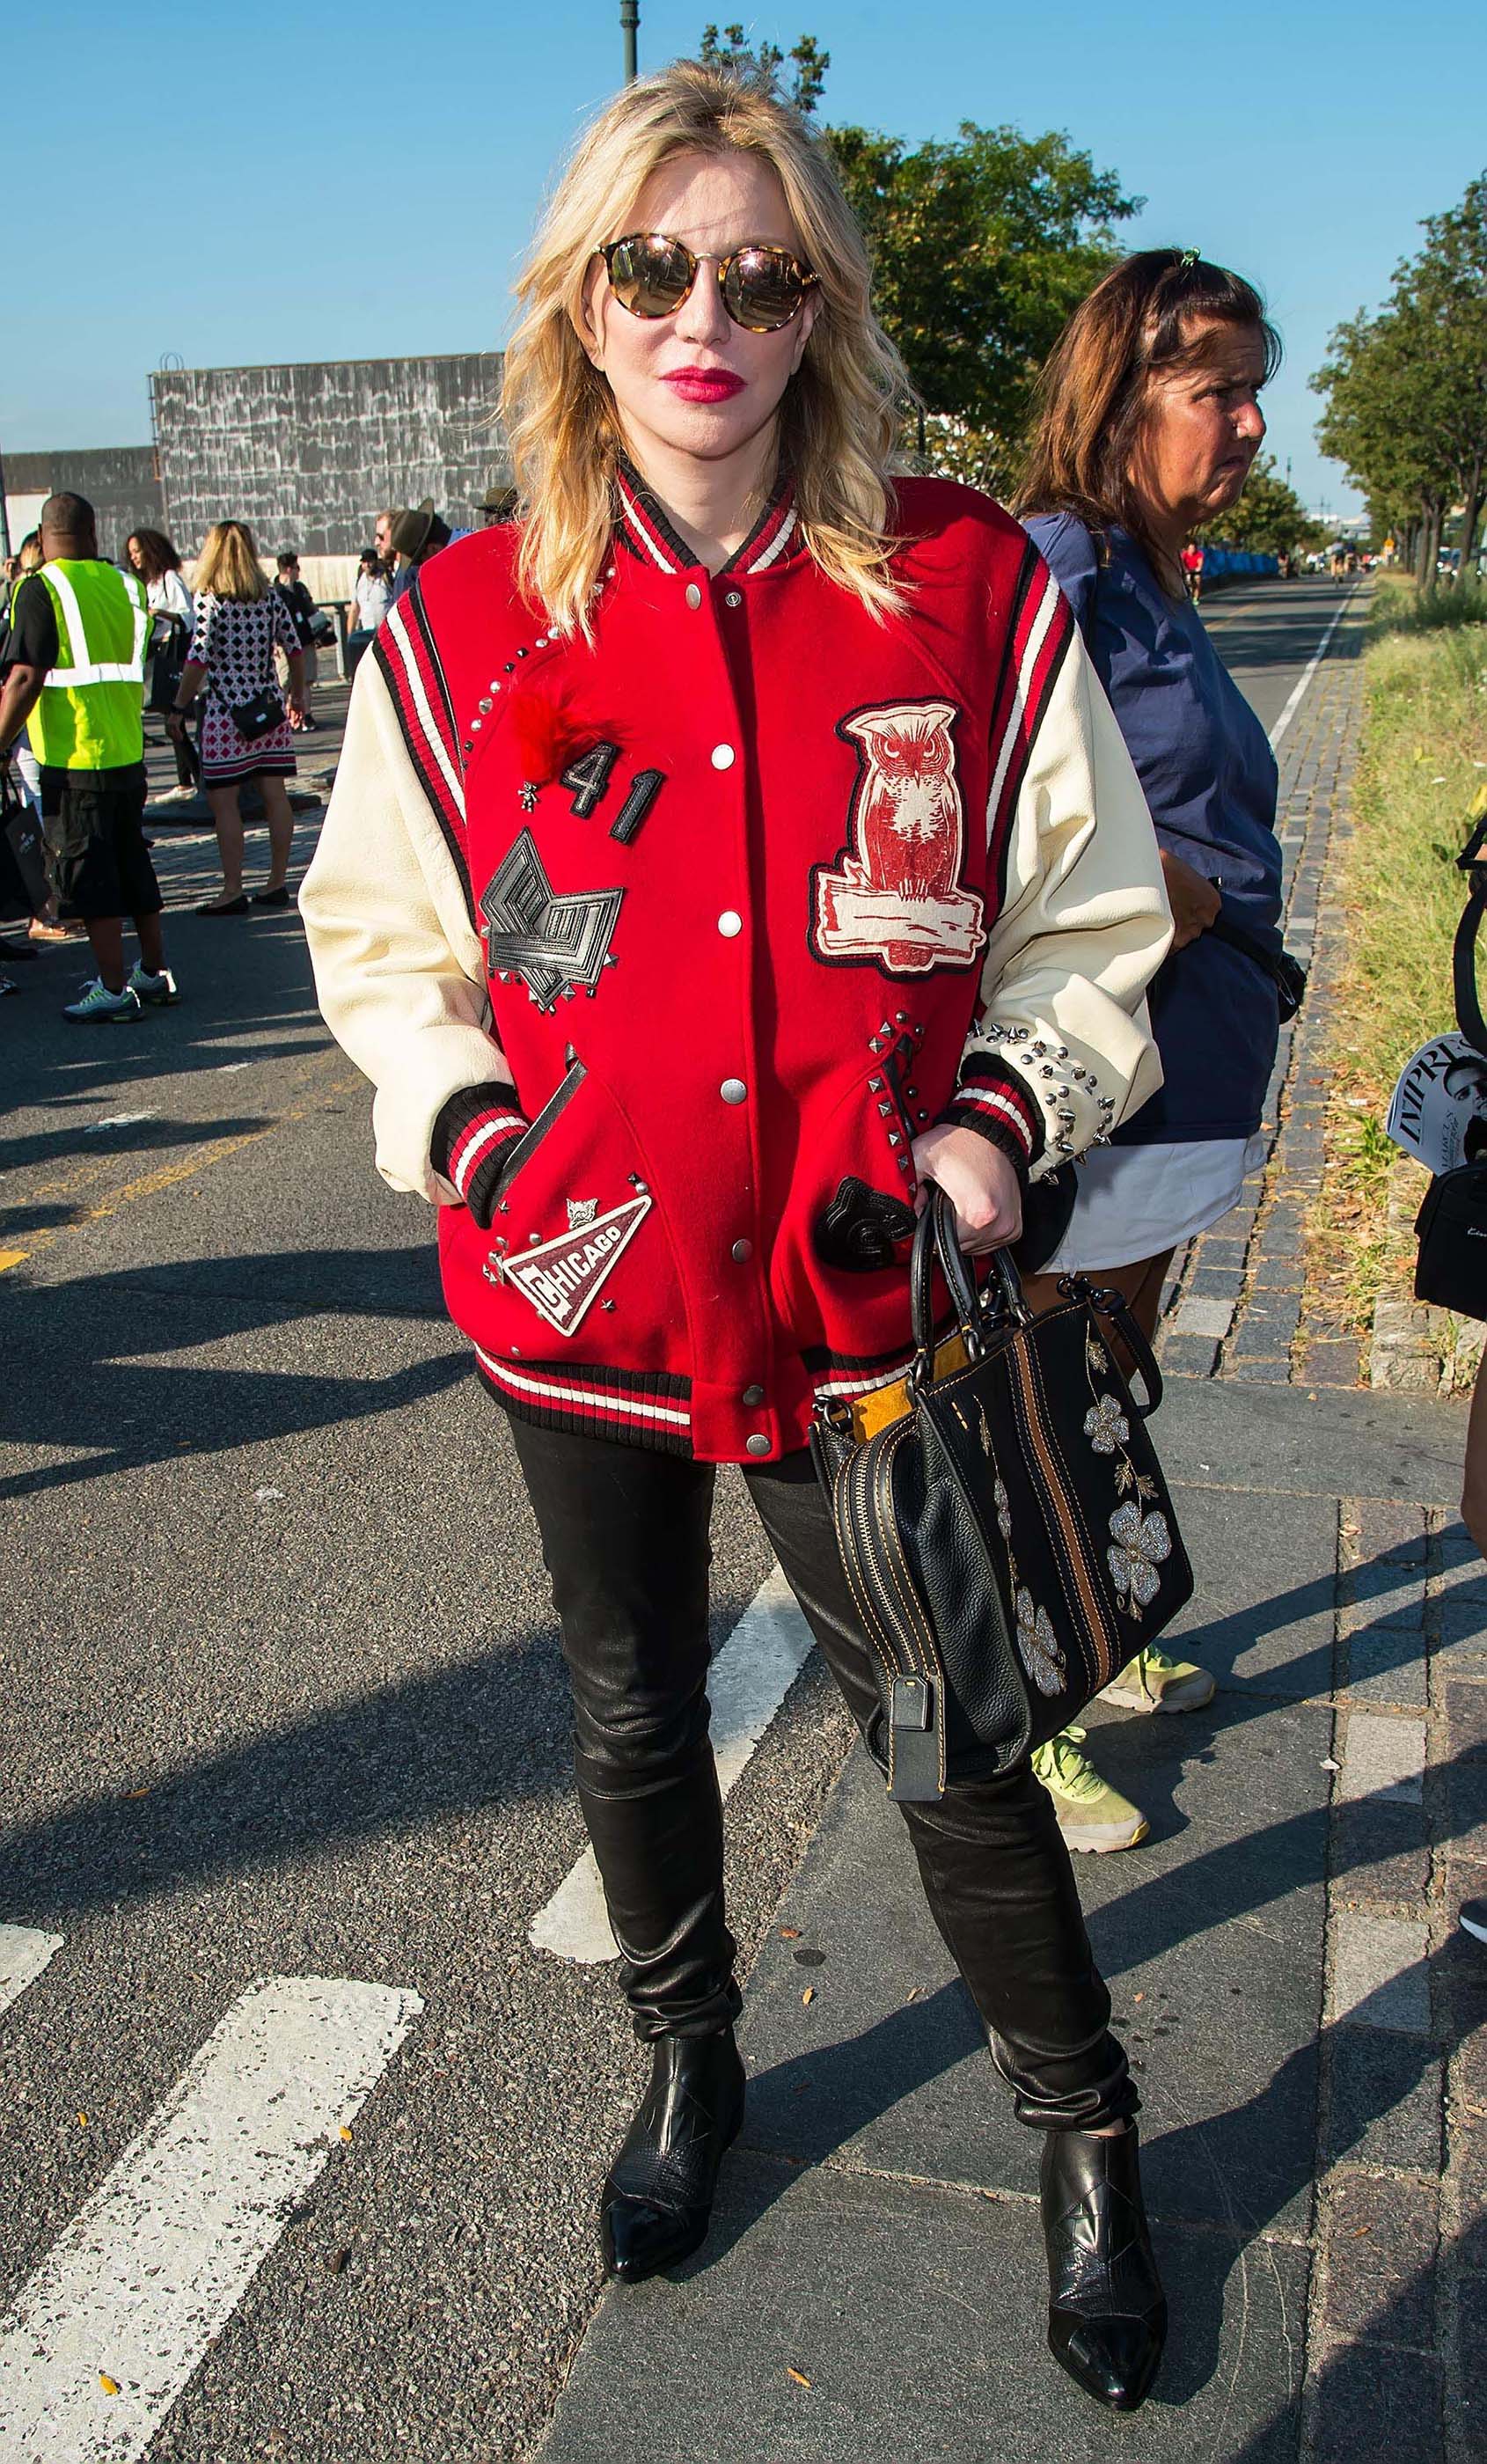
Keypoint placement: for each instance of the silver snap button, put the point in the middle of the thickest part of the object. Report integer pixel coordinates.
(757, 1445)
(733, 1091)
(753, 1396)
(728, 924)
(693, 595)
(741, 1252)
(733, 599)
(723, 756)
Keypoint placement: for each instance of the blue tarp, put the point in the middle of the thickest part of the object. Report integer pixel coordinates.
(1235, 559)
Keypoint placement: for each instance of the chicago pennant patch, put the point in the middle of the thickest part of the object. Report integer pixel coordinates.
(562, 1277)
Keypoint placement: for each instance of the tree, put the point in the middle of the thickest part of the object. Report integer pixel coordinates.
(981, 246)
(762, 63)
(1406, 389)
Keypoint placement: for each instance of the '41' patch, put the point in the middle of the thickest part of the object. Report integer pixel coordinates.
(561, 1278)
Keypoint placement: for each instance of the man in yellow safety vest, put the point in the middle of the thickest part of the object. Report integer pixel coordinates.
(78, 629)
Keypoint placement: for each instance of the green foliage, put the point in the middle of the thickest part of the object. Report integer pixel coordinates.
(761, 62)
(1406, 389)
(1434, 611)
(982, 246)
(1269, 519)
(1396, 885)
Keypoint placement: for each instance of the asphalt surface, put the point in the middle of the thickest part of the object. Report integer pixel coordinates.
(280, 1695)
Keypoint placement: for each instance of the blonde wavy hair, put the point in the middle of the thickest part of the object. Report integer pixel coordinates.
(842, 410)
(228, 565)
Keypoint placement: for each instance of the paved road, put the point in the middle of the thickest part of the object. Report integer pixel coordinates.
(280, 1700)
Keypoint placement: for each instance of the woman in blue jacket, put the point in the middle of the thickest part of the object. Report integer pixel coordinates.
(1149, 422)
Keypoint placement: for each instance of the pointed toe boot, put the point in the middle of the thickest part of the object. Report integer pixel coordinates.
(658, 2196)
(1106, 2312)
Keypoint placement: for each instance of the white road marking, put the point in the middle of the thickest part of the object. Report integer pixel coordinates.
(156, 2259)
(747, 1683)
(1293, 703)
(22, 1955)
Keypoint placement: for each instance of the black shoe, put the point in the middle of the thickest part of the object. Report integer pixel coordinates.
(658, 2198)
(1473, 1918)
(278, 896)
(1107, 2313)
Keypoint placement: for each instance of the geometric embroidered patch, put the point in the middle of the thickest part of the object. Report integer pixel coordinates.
(561, 1278)
(555, 945)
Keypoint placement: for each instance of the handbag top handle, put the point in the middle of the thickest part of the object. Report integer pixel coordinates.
(1463, 955)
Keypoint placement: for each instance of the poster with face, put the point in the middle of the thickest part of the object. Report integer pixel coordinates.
(1438, 1110)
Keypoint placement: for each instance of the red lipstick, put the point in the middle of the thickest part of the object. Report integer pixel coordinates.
(704, 384)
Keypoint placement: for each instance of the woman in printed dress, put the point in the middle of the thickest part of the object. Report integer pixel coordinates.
(239, 621)
(705, 847)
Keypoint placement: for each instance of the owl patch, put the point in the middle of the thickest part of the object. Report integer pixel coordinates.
(897, 898)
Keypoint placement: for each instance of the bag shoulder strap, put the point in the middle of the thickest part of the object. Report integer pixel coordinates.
(1463, 955)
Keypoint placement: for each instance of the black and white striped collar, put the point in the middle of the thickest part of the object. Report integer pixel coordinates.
(643, 526)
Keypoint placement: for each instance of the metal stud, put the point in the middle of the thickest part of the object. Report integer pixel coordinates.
(486, 704)
(875, 1086)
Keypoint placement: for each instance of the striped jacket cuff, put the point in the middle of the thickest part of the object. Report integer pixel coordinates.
(992, 1100)
(472, 1129)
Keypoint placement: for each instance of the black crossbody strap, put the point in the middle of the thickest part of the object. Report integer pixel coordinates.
(1463, 955)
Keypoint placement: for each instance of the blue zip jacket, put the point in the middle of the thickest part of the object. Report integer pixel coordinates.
(1210, 777)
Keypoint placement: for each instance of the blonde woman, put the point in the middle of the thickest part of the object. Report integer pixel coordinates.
(710, 852)
(245, 728)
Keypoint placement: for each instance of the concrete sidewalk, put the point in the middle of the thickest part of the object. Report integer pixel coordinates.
(1287, 1978)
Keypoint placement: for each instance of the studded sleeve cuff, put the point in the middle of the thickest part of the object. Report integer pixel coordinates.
(993, 1101)
(472, 1135)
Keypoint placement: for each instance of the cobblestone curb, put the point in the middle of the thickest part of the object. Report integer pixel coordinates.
(1399, 2316)
(1234, 1304)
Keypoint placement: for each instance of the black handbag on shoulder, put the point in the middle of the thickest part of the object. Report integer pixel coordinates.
(1007, 1535)
(258, 717)
(1450, 1271)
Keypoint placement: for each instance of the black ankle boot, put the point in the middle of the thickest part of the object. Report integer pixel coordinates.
(658, 2198)
(1106, 2314)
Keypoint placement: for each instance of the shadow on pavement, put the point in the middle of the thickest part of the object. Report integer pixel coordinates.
(128, 1415)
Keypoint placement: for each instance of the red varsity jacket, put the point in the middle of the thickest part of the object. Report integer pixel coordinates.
(691, 930)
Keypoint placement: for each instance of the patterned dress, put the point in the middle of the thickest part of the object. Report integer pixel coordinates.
(234, 641)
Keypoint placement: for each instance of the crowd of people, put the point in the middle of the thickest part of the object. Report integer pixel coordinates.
(226, 659)
(834, 987)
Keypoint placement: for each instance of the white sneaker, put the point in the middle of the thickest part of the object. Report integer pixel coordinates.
(177, 796)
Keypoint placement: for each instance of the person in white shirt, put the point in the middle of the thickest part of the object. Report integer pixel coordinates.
(370, 599)
(154, 559)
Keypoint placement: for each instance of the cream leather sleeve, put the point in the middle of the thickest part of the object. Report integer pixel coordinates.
(1083, 927)
(398, 970)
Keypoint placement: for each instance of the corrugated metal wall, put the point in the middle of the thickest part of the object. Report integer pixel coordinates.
(307, 453)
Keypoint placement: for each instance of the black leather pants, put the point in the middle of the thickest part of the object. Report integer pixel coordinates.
(625, 1534)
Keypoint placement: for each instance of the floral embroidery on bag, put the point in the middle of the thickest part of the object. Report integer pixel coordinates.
(1038, 1646)
(1142, 1543)
(1003, 1503)
(1105, 1425)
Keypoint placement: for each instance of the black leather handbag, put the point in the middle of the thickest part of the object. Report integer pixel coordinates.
(258, 717)
(1007, 1535)
(1450, 1271)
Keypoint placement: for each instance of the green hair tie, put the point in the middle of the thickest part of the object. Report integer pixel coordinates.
(1188, 260)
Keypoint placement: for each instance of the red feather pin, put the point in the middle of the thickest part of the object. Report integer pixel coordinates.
(548, 737)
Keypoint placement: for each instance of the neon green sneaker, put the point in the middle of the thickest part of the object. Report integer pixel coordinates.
(1093, 1816)
(1152, 1681)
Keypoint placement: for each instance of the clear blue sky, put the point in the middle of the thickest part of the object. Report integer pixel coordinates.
(323, 182)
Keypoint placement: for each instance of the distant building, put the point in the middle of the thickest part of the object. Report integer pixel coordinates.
(309, 451)
(120, 482)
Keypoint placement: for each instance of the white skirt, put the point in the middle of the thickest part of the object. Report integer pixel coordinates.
(1134, 1202)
